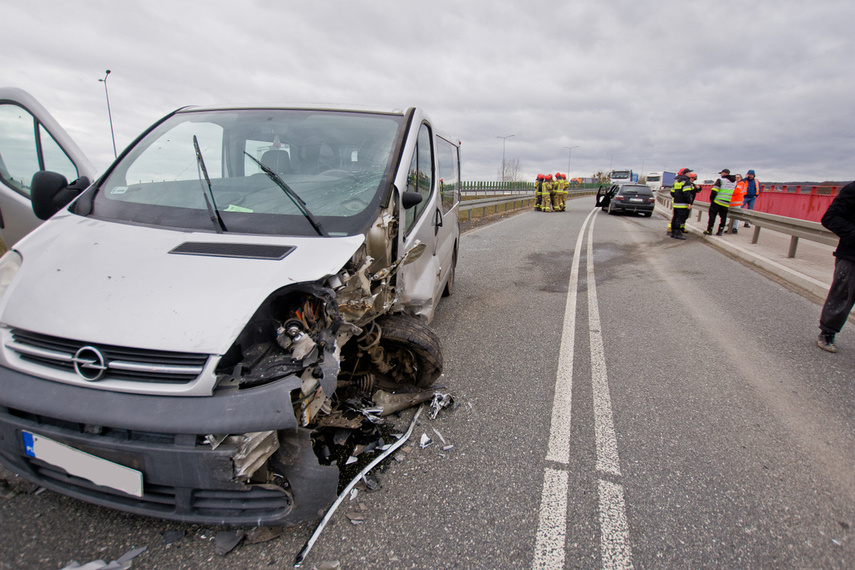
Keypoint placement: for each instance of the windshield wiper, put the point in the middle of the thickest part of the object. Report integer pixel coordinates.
(301, 205)
(211, 204)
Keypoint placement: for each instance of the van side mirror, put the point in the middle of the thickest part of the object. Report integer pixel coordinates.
(411, 199)
(50, 192)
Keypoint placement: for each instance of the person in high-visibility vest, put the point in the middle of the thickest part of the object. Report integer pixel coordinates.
(538, 192)
(720, 198)
(548, 189)
(684, 195)
(559, 199)
(738, 197)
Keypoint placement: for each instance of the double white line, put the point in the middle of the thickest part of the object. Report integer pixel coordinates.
(615, 550)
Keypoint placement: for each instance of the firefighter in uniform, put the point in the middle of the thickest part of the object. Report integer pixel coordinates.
(565, 190)
(684, 195)
(538, 192)
(548, 190)
(720, 198)
(558, 189)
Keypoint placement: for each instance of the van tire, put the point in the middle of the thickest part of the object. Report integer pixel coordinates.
(413, 344)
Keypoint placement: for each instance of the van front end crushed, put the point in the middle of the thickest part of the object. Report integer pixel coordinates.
(261, 471)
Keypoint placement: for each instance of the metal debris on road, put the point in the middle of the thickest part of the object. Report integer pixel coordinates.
(440, 400)
(121, 563)
(301, 556)
(425, 441)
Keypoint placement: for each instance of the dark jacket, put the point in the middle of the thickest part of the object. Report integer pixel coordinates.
(840, 218)
(683, 191)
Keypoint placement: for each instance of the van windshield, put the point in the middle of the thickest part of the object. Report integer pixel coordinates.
(337, 162)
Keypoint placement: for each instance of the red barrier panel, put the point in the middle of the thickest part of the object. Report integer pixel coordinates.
(800, 202)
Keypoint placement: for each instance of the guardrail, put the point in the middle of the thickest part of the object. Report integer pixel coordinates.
(525, 200)
(793, 227)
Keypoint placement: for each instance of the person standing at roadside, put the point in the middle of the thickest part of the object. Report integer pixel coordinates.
(752, 190)
(548, 190)
(737, 200)
(720, 198)
(684, 195)
(538, 192)
(839, 218)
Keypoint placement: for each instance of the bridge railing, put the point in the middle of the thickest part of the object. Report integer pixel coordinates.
(793, 227)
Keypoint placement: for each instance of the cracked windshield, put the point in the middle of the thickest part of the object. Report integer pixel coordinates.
(268, 172)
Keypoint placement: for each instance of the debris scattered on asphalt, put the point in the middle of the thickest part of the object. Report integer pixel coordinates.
(121, 563)
(425, 441)
(262, 534)
(39, 491)
(440, 400)
(355, 518)
(227, 540)
(6, 492)
(171, 536)
(301, 556)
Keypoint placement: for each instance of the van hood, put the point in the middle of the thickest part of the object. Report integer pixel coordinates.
(110, 283)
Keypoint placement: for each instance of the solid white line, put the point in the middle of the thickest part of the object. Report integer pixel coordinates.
(607, 455)
(552, 522)
(559, 431)
(615, 550)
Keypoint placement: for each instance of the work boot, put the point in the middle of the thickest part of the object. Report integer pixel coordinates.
(826, 342)
(733, 231)
(708, 232)
(720, 231)
(678, 235)
(746, 225)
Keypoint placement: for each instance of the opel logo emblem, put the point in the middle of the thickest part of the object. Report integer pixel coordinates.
(89, 363)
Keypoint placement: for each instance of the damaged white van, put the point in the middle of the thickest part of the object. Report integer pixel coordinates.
(172, 337)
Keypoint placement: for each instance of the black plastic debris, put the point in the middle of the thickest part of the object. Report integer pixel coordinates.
(227, 540)
(171, 536)
(261, 534)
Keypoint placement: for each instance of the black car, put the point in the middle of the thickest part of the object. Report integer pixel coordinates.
(630, 198)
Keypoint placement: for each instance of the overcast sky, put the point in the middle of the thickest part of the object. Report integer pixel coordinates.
(646, 85)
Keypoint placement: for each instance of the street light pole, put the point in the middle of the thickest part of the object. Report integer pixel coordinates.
(109, 113)
(569, 156)
(503, 153)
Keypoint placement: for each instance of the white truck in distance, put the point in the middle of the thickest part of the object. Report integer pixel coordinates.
(659, 180)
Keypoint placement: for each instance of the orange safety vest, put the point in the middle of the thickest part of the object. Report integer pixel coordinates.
(739, 194)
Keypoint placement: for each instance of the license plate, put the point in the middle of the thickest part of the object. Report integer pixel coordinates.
(636, 200)
(84, 465)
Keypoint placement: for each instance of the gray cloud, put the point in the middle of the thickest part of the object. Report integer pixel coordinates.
(661, 84)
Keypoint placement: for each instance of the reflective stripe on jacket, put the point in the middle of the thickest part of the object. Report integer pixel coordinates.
(738, 194)
(725, 193)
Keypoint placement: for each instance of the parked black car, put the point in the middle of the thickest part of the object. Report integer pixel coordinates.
(630, 198)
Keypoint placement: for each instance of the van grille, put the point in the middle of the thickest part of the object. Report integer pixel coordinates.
(120, 363)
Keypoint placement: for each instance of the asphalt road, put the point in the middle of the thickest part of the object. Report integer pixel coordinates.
(622, 400)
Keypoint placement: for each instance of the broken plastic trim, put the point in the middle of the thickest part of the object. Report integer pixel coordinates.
(301, 556)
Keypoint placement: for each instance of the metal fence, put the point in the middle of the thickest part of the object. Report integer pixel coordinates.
(793, 227)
